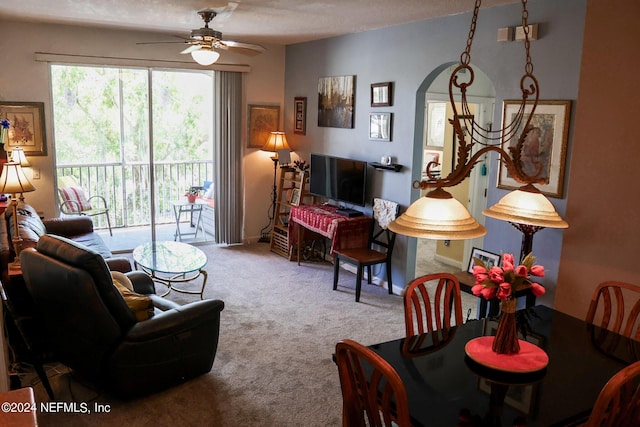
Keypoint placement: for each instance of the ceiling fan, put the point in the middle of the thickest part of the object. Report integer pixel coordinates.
(204, 41)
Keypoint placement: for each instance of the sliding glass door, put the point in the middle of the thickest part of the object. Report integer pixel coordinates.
(138, 137)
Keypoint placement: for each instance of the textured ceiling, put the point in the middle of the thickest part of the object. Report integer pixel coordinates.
(255, 21)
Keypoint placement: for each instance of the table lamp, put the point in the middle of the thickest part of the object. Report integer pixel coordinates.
(18, 156)
(14, 181)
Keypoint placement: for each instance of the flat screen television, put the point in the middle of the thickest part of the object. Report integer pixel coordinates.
(335, 178)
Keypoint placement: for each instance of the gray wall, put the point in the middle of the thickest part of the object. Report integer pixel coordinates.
(411, 56)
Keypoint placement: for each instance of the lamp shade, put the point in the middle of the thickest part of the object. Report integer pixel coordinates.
(438, 215)
(526, 205)
(17, 156)
(13, 179)
(277, 141)
(205, 55)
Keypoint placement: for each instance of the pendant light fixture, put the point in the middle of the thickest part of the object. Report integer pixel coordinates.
(438, 215)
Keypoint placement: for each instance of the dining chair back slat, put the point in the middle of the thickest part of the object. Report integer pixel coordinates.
(618, 403)
(372, 391)
(608, 305)
(424, 313)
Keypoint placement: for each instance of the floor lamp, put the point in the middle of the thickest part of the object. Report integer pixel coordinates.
(14, 181)
(277, 141)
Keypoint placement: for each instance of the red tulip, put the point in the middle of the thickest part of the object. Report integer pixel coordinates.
(488, 293)
(481, 278)
(478, 269)
(507, 262)
(496, 274)
(537, 270)
(537, 289)
(521, 271)
(477, 290)
(505, 291)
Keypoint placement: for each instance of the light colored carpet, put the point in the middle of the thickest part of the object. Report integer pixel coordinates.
(274, 364)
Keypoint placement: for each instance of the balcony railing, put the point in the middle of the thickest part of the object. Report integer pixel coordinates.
(127, 188)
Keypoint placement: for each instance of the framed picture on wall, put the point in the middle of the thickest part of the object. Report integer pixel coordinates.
(336, 99)
(545, 147)
(26, 127)
(261, 120)
(300, 112)
(380, 126)
(381, 94)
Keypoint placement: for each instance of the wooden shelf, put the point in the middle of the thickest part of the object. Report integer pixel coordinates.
(290, 179)
(392, 167)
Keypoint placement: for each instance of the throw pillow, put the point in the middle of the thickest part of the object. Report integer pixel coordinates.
(140, 305)
(76, 197)
(208, 189)
(30, 226)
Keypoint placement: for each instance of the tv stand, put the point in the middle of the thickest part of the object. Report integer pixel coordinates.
(349, 212)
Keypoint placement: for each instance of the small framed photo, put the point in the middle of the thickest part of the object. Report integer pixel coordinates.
(490, 259)
(295, 197)
(262, 120)
(300, 111)
(380, 126)
(381, 94)
(26, 129)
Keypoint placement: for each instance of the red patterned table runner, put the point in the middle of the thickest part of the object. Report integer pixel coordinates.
(343, 231)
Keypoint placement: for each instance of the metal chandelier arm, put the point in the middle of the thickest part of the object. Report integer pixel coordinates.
(463, 168)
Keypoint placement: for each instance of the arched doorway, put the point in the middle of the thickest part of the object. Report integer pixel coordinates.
(434, 140)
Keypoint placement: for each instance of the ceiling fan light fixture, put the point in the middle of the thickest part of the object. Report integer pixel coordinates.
(205, 56)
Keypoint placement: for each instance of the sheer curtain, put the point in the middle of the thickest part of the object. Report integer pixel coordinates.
(228, 157)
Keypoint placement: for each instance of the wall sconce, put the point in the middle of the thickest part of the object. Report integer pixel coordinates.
(438, 215)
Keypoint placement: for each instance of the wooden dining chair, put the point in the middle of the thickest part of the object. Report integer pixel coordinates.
(608, 305)
(378, 250)
(373, 393)
(432, 302)
(618, 403)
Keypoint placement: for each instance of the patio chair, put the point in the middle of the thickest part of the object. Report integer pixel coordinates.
(74, 200)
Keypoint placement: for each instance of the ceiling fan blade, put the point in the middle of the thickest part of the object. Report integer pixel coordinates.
(158, 42)
(182, 40)
(244, 48)
(192, 48)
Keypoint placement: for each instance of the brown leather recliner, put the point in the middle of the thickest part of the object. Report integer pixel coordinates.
(93, 331)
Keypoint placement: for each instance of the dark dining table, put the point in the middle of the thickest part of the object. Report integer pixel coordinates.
(446, 387)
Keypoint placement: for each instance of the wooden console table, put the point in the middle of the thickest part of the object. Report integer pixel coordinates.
(344, 231)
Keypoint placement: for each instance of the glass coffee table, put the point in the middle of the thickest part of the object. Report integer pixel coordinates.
(169, 263)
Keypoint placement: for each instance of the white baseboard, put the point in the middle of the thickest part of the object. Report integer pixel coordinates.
(374, 280)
